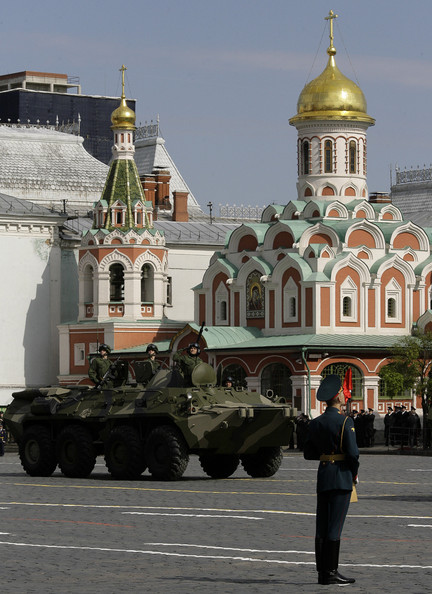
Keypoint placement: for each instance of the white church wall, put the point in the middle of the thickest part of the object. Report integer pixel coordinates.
(30, 312)
(186, 269)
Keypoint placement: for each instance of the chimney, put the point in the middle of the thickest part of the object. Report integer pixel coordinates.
(379, 198)
(162, 177)
(148, 183)
(180, 212)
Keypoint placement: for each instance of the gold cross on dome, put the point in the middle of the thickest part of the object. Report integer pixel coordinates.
(331, 16)
(122, 70)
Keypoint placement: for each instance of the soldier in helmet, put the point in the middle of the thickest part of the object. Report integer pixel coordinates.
(152, 351)
(100, 366)
(188, 361)
(228, 382)
(331, 440)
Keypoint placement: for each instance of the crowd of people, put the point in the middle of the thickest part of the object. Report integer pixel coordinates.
(364, 421)
(402, 427)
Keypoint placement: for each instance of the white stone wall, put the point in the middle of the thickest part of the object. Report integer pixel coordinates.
(186, 266)
(30, 310)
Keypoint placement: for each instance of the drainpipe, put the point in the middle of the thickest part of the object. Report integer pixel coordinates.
(303, 351)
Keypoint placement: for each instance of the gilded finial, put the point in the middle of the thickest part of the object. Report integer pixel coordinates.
(331, 16)
(123, 117)
(122, 70)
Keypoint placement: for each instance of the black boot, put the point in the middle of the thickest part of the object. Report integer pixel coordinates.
(319, 558)
(331, 556)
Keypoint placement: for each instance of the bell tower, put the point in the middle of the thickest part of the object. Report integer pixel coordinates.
(332, 121)
(123, 258)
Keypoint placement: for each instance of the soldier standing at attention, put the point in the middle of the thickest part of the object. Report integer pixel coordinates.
(99, 367)
(187, 362)
(331, 440)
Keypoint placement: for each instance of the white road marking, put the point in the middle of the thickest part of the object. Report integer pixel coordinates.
(420, 469)
(198, 546)
(135, 513)
(419, 525)
(214, 557)
(211, 509)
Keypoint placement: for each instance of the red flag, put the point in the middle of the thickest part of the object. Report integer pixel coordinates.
(347, 384)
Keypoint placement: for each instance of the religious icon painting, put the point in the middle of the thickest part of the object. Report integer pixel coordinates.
(255, 296)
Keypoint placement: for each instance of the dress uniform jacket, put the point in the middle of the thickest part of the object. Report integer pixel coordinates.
(324, 437)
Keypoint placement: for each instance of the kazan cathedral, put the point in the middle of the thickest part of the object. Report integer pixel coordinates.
(331, 280)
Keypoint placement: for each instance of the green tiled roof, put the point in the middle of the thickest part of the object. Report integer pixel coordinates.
(122, 184)
(223, 337)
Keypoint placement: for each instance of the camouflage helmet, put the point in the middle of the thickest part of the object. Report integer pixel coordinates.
(104, 347)
(196, 345)
(152, 347)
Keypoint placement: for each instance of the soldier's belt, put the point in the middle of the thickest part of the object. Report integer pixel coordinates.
(332, 457)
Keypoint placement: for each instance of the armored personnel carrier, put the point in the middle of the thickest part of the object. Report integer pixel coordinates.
(154, 423)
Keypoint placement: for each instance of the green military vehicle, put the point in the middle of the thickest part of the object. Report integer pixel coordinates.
(154, 423)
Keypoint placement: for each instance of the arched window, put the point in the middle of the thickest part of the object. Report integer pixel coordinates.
(277, 377)
(352, 157)
(340, 369)
(116, 278)
(88, 284)
(346, 307)
(147, 284)
(223, 310)
(305, 157)
(328, 156)
(393, 300)
(290, 295)
(237, 373)
(391, 307)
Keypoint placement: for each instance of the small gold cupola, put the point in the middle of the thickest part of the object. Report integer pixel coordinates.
(123, 118)
(332, 96)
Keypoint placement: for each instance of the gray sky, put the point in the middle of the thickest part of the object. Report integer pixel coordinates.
(225, 76)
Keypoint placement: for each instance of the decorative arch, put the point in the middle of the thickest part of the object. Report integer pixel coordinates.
(87, 260)
(350, 191)
(333, 268)
(115, 257)
(336, 209)
(283, 239)
(365, 234)
(390, 213)
(364, 210)
(409, 236)
(248, 243)
(148, 257)
(328, 191)
(319, 233)
(243, 238)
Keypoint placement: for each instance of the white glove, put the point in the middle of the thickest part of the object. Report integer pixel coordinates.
(356, 480)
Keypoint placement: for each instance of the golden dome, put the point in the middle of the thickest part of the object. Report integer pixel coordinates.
(332, 96)
(123, 117)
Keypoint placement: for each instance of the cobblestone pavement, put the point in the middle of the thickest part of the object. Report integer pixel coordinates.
(238, 535)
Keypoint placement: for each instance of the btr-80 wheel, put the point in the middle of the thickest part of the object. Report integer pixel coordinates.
(264, 463)
(36, 451)
(219, 466)
(75, 451)
(166, 453)
(124, 453)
